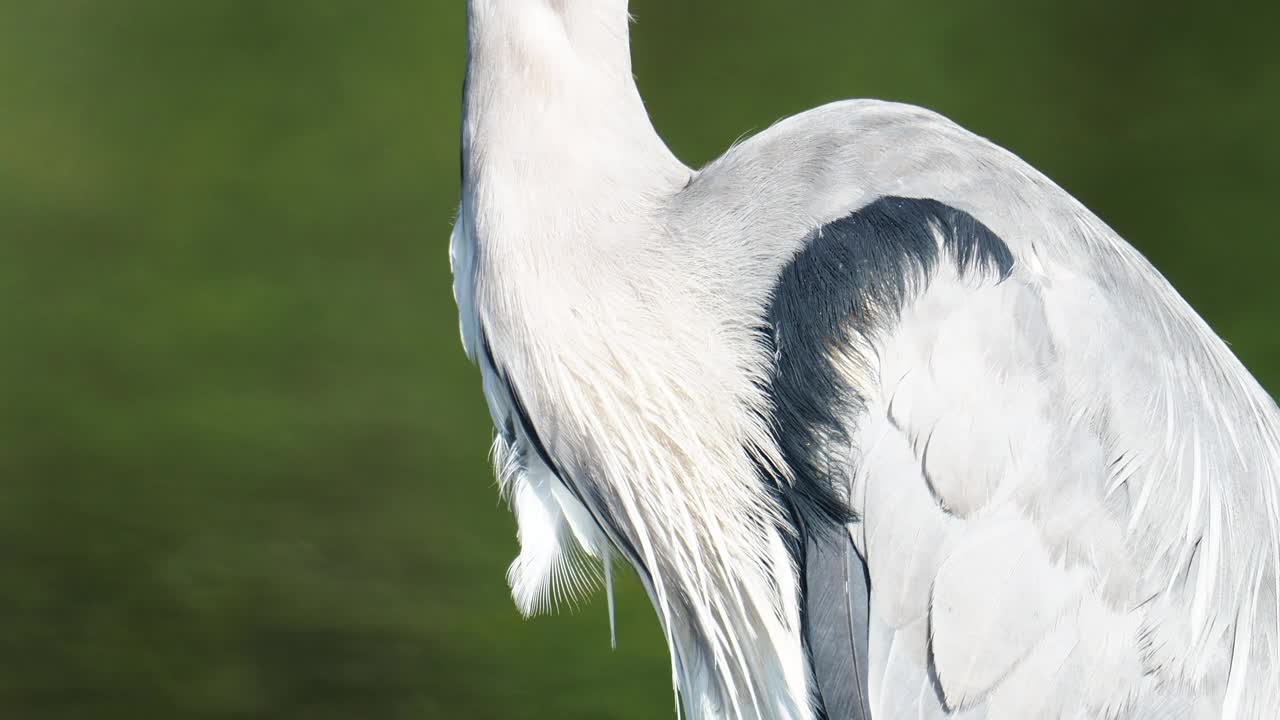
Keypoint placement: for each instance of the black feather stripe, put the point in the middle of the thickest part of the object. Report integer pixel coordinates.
(849, 284)
(853, 277)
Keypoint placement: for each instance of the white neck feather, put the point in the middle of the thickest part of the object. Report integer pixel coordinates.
(564, 185)
(553, 124)
(597, 29)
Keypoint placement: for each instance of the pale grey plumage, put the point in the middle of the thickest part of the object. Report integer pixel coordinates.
(1062, 483)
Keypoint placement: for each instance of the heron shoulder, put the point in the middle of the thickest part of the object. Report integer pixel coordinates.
(1064, 371)
(821, 165)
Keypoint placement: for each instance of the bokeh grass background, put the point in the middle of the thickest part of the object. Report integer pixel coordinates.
(242, 457)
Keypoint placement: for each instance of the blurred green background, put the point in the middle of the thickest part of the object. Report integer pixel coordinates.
(242, 458)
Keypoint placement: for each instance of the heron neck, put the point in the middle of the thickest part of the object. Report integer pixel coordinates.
(597, 30)
(550, 102)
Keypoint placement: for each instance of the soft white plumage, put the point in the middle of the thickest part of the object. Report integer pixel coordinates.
(1062, 484)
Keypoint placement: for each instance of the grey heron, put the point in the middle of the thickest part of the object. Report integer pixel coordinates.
(888, 424)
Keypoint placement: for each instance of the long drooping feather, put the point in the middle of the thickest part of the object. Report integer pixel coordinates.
(837, 612)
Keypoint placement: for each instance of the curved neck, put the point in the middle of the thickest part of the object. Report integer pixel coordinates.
(549, 94)
(596, 29)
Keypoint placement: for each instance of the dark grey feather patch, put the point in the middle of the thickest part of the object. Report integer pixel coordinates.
(850, 282)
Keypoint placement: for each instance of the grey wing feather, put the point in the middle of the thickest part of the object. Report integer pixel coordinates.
(838, 597)
(1070, 486)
